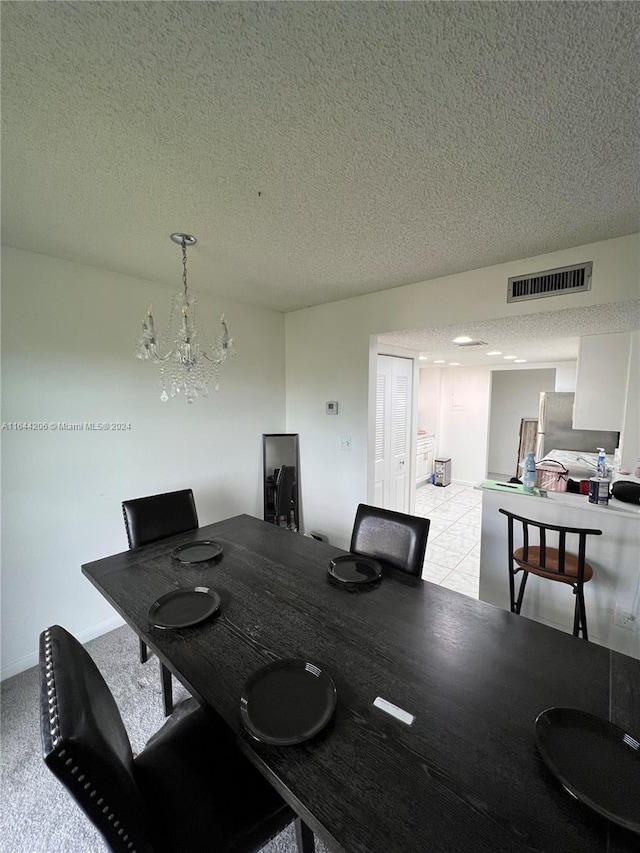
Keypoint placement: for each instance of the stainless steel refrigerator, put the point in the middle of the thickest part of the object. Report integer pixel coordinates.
(556, 433)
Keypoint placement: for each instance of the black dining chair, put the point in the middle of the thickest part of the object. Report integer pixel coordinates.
(285, 497)
(394, 538)
(190, 789)
(554, 564)
(147, 520)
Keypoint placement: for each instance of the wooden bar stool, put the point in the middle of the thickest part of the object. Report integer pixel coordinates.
(555, 564)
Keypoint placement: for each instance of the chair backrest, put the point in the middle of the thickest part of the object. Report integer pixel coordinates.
(85, 744)
(158, 516)
(574, 534)
(392, 537)
(285, 483)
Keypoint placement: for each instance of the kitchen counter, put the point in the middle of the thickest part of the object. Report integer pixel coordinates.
(567, 499)
(614, 556)
(581, 464)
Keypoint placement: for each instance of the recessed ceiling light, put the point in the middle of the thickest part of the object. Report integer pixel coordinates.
(509, 356)
(494, 352)
(519, 360)
(423, 358)
(454, 364)
(439, 361)
(468, 342)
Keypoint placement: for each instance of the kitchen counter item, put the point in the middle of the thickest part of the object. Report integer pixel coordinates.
(529, 472)
(552, 476)
(599, 491)
(626, 491)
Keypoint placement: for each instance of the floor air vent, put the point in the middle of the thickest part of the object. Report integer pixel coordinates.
(550, 283)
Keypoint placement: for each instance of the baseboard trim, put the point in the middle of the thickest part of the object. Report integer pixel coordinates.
(26, 662)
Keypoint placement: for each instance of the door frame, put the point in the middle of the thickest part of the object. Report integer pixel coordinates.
(376, 349)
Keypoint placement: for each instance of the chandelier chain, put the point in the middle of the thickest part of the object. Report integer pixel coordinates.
(184, 265)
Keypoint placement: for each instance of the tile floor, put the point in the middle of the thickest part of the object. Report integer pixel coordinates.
(453, 548)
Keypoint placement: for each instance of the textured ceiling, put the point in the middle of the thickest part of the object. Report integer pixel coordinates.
(317, 150)
(542, 337)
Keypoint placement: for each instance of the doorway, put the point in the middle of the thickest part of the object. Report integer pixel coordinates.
(393, 417)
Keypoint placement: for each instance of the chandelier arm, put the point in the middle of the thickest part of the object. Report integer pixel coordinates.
(215, 359)
(155, 358)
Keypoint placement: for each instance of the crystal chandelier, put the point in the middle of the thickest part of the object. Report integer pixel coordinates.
(187, 363)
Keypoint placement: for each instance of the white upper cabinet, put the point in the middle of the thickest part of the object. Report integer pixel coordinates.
(602, 380)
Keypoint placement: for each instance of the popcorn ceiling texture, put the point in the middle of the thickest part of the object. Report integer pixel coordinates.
(317, 150)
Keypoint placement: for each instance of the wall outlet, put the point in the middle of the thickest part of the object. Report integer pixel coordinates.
(624, 619)
(345, 442)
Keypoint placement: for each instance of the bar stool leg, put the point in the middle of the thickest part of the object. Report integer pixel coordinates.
(512, 591)
(523, 583)
(576, 614)
(581, 614)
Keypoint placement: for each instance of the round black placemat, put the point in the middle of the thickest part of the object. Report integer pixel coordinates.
(353, 569)
(182, 608)
(287, 702)
(197, 552)
(596, 761)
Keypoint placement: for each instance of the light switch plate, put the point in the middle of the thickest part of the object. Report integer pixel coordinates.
(331, 408)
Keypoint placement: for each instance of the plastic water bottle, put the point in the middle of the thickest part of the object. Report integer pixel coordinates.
(616, 461)
(602, 462)
(529, 472)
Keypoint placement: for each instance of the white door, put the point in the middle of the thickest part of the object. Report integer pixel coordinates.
(393, 432)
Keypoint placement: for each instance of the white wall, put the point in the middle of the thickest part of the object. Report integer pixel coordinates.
(68, 339)
(630, 450)
(429, 403)
(464, 423)
(328, 358)
(515, 394)
(479, 430)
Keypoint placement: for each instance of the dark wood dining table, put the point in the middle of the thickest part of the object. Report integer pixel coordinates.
(465, 776)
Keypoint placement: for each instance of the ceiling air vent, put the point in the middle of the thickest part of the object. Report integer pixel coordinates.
(550, 283)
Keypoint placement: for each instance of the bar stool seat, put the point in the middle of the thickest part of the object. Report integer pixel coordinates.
(552, 564)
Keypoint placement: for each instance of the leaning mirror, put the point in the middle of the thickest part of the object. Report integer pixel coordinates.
(281, 475)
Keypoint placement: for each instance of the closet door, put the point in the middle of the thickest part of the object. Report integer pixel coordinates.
(393, 432)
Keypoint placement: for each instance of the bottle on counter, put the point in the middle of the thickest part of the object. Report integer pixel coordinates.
(602, 462)
(616, 461)
(529, 472)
